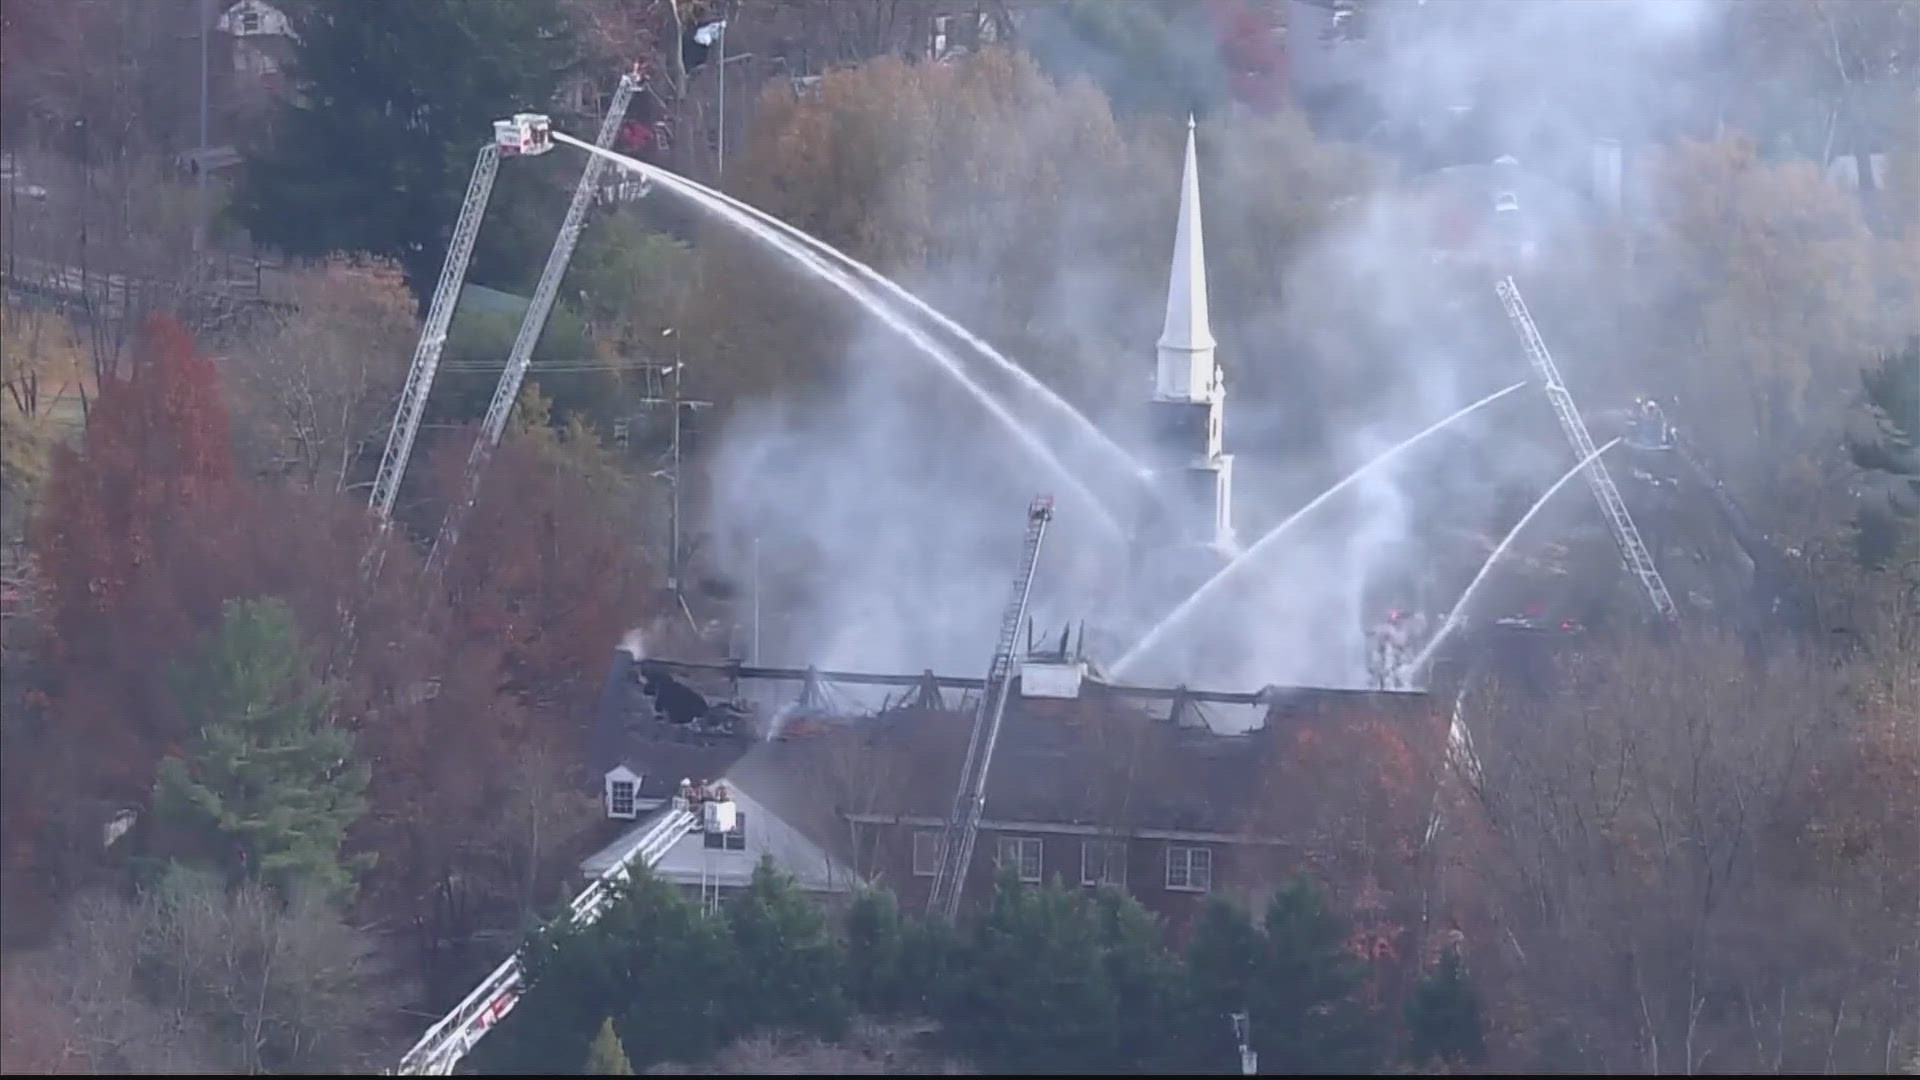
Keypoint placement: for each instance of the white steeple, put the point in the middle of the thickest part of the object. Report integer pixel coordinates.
(1186, 369)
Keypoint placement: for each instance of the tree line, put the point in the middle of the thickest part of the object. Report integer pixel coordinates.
(1047, 978)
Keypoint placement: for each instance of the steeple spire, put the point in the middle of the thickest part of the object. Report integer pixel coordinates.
(1186, 366)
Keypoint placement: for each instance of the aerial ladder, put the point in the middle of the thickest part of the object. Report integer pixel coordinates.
(1773, 584)
(963, 821)
(703, 807)
(1633, 550)
(507, 392)
(522, 135)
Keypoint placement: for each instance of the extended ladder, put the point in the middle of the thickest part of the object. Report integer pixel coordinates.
(446, 1042)
(507, 392)
(433, 336)
(963, 822)
(1773, 582)
(1632, 549)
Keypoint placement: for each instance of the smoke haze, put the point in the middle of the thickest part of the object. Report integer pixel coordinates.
(892, 509)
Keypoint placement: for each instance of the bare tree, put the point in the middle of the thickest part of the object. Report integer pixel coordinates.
(871, 1049)
(1666, 857)
(88, 980)
(317, 390)
(190, 979)
(548, 809)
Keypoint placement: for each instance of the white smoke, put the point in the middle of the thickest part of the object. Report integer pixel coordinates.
(891, 510)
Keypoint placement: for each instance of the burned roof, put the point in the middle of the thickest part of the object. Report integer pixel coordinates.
(1099, 760)
(1103, 758)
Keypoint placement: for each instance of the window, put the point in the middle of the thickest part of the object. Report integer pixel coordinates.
(734, 839)
(249, 22)
(620, 798)
(1189, 869)
(1103, 862)
(926, 853)
(1023, 854)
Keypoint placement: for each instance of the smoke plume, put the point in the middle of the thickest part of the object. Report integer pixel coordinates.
(891, 510)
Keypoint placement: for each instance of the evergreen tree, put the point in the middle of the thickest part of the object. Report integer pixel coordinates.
(793, 965)
(1037, 997)
(654, 955)
(373, 151)
(1443, 1019)
(606, 1057)
(265, 778)
(1149, 998)
(1307, 1017)
(932, 977)
(1888, 533)
(876, 943)
(1224, 962)
(1149, 56)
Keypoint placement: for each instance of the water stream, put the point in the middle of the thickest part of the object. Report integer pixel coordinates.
(1460, 606)
(1247, 557)
(789, 241)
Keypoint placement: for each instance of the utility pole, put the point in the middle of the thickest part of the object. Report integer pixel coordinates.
(668, 392)
(200, 173)
(720, 164)
(673, 549)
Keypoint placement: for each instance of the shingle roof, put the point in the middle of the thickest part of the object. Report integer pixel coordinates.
(1098, 759)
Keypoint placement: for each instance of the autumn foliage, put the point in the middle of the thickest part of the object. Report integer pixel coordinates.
(157, 446)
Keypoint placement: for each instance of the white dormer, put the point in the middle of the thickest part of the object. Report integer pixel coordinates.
(621, 793)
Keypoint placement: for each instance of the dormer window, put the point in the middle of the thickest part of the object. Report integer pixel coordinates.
(622, 793)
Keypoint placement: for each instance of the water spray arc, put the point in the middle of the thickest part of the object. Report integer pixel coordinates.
(747, 221)
(1213, 584)
(1460, 606)
(1040, 390)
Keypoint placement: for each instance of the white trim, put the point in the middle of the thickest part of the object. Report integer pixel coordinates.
(918, 836)
(1062, 829)
(1019, 848)
(620, 798)
(1110, 848)
(1187, 868)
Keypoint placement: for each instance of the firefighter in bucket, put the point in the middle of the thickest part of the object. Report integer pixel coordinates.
(1649, 429)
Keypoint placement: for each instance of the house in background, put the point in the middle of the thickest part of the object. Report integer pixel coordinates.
(263, 38)
(259, 39)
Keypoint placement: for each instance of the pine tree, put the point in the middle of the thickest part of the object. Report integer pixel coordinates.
(1149, 995)
(373, 152)
(1888, 533)
(654, 955)
(1224, 961)
(1443, 1019)
(795, 965)
(1038, 998)
(1307, 1017)
(606, 1057)
(875, 941)
(265, 777)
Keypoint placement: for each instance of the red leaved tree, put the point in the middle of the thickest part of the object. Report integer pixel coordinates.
(107, 538)
(549, 562)
(157, 444)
